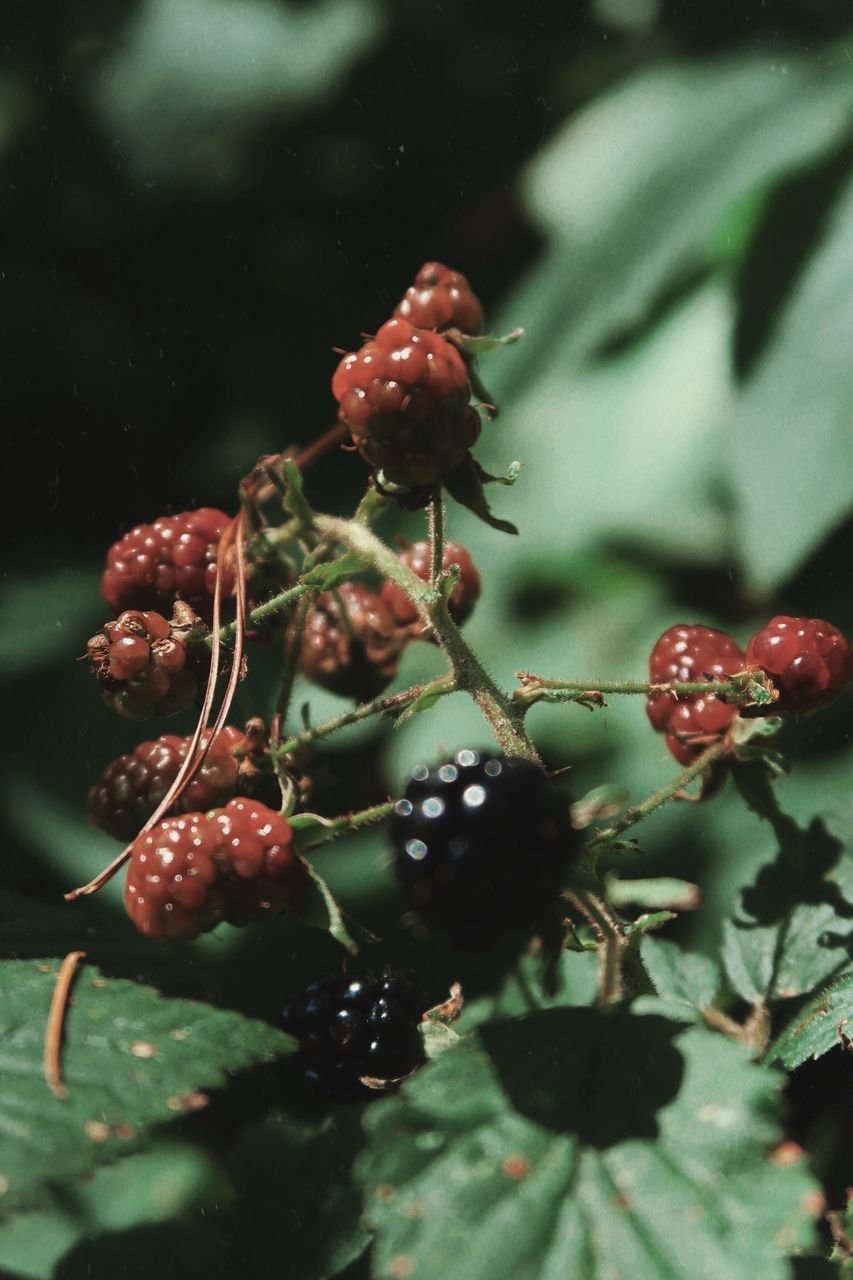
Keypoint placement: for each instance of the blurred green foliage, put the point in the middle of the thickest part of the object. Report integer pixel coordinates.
(204, 197)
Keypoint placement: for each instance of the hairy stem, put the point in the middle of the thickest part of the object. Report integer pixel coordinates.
(637, 812)
(335, 827)
(378, 707)
(741, 690)
(436, 538)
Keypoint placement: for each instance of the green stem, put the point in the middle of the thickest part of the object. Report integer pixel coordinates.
(611, 939)
(468, 672)
(350, 822)
(436, 538)
(637, 812)
(379, 706)
(266, 610)
(537, 689)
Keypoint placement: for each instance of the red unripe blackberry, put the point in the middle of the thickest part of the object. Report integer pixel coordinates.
(191, 872)
(441, 299)
(142, 665)
(357, 1025)
(405, 397)
(808, 659)
(692, 654)
(418, 557)
(173, 558)
(357, 656)
(132, 787)
(482, 844)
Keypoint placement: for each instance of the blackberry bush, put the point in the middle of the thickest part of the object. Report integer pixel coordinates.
(588, 1045)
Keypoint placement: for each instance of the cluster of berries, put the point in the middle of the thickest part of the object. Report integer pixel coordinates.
(807, 660)
(351, 643)
(406, 396)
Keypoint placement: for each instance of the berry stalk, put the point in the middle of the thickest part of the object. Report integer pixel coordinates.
(469, 673)
(334, 827)
(637, 812)
(743, 690)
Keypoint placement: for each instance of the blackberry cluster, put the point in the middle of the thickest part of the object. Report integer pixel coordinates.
(131, 788)
(191, 872)
(354, 1026)
(142, 664)
(418, 557)
(173, 558)
(481, 845)
(807, 658)
(357, 656)
(690, 654)
(441, 299)
(405, 398)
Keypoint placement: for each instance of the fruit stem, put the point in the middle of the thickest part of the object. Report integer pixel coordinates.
(468, 672)
(350, 822)
(377, 707)
(743, 690)
(637, 812)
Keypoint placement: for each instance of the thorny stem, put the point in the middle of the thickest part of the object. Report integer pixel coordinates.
(742, 690)
(379, 706)
(469, 673)
(637, 812)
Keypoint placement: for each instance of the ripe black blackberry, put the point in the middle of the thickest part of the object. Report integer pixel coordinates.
(481, 845)
(354, 1026)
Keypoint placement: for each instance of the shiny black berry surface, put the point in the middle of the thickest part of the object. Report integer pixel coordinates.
(481, 844)
(357, 1025)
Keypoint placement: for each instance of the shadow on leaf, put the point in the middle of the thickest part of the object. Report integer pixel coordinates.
(603, 1075)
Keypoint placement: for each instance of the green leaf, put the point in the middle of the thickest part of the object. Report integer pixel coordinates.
(173, 1179)
(635, 187)
(232, 67)
(685, 983)
(793, 931)
(300, 1208)
(524, 1154)
(818, 1028)
(801, 392)
(131, 1059)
